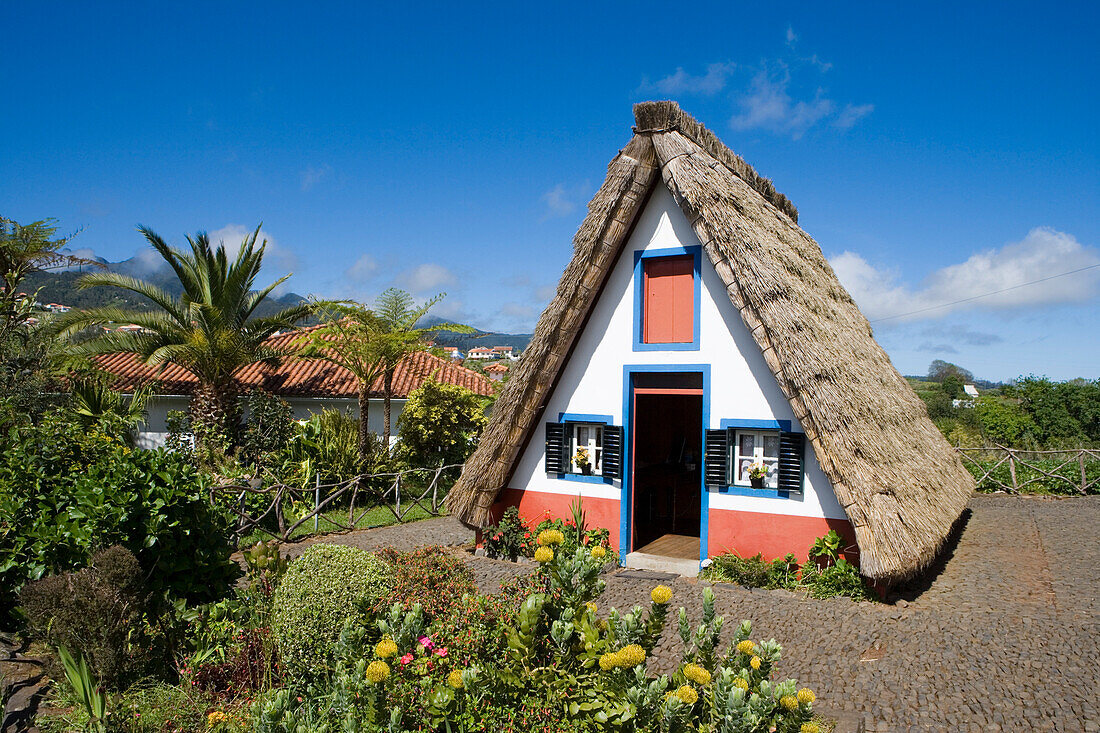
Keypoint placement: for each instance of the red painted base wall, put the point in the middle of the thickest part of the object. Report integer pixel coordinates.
(772, 535)
(743, 533)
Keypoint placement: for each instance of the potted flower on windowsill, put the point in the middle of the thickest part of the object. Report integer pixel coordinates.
(757, 473)
(584, 465)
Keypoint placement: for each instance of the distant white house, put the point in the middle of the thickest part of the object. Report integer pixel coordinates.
(480, 352)
(971, 393)
(452, 352)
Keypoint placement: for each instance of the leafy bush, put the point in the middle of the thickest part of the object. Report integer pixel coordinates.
(65, 492)
(840, 579)
(428, 576)
(753, 572)
(326, 444)
(157, 708)
(509, 538)
(269, 428)
(439, 425)
(322, 590)
(96, 612)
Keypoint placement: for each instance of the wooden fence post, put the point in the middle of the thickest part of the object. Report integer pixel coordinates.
(1081, 463)
(1012, 470)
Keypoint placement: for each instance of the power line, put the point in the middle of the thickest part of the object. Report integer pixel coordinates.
(983, 295)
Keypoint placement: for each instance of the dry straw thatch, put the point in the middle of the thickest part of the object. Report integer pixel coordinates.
(896, 476)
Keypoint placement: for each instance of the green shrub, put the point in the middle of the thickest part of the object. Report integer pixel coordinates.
(322, 590)
(96, 612)
(157, 708)
(430, 576)
(841, 579)
(753, 572)
(65, 492)
(509, 538)
(439, 424)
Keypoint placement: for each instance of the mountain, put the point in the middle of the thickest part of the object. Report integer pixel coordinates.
(466, 341)
(61, 287)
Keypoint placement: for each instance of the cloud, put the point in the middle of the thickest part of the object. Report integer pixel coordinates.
(545, 293)
(365, 268)
(312, 175)
(426, 279)
(562, 200)
(681, 82)
(961, 334)
(792, 37)
(995, 279)
(768, 105)
(851, 114)
(938, 348)
(231, 235)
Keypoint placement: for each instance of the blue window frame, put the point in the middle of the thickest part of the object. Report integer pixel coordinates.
(570, 420)
(756, 426)
(696, 253)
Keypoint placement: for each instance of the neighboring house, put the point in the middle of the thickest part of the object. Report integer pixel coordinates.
(496, 371)
(480, 352)
(698, 331)
(971, 393)
(452, 352)
(504, 352)
(308, 385)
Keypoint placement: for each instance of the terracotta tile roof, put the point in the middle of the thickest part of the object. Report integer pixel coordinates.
(299, 377)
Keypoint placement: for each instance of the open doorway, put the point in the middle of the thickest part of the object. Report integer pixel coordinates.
(667, 461)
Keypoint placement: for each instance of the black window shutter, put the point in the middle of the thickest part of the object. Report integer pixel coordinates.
(716, 458)
(612, 451)
(791, 448)
(555, 448)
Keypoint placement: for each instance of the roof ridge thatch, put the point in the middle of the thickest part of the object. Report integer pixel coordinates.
(900, 483)
(666, 116)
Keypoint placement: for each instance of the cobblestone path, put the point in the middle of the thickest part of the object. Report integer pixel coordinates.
(1005, 636)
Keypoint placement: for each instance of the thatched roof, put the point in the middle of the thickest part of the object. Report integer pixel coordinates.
(897, 478)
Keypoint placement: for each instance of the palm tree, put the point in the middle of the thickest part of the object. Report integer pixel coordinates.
(397, 337)
(211, 330)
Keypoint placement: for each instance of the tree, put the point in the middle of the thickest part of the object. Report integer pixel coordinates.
(211, 330)
(939, 369)
(952, 386)
(440, 424)
(1005, 423)
(27, 248)
(349, 338)
(398, 337)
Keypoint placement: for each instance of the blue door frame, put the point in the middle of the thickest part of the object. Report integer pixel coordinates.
(626, 525)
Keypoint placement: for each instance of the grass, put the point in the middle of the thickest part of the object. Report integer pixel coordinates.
(336, 520)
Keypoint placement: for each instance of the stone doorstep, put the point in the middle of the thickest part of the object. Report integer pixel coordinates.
(662, 564)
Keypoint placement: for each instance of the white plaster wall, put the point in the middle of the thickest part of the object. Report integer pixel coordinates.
(741, 386)
(154, 431)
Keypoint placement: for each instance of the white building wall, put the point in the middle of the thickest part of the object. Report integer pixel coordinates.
(154, 431)
(741, 386)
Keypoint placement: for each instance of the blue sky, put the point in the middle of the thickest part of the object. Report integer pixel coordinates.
(935, 152)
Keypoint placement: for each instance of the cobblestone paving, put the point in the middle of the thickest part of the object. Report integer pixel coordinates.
(1004, 637)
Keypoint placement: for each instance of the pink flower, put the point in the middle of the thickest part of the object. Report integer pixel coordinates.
(426, 642)
(440, 651)
(406, 659)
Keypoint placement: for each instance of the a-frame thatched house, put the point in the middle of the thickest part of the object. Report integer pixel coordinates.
(697, 332)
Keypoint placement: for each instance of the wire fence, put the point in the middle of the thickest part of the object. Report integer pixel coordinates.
(1068, 471)
(263, 507)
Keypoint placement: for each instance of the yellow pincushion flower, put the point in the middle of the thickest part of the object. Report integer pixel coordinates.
(746, 647)
(790, 702)
(806, 696)
(544, 554)
(687, 695)
(810, 727)
(741, 684)
(599, 552)
(385, 649)
(661, 595)
(696, 674)
(609, 661)
(454, 679)
(591, 607)
(755, 662)
(377, 671)
(550, 537)
(215, 718)
(631, 656)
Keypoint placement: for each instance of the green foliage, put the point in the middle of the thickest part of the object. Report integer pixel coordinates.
(1004, 423)
(994, 474)
(840, 579)
(320, 591)
(158, 707)
(827, 548)
(269, 429)
(509, 538)
(93, 699)
(324, 445)
(440, 424)
(65, 491)
(754, 572)
(266, 566)
(1065, 414)
(429, 577)
(97, 612)
(952, 386)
